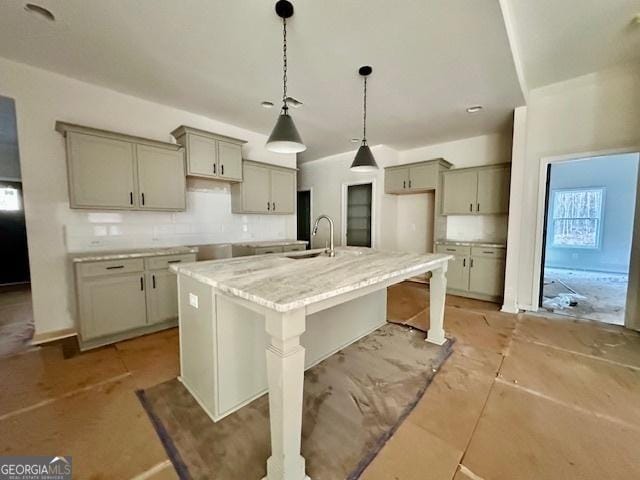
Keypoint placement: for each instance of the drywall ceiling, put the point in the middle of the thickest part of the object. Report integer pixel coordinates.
(431, 60)
(562, 39)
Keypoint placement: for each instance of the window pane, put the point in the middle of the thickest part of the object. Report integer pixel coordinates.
(578, 232)
(585, 203)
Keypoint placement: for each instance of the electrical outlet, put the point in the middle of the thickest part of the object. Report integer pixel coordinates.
(193, 300)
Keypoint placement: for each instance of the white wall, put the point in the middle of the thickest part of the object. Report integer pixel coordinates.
(326, 176)
(42, 98)
(589, 114)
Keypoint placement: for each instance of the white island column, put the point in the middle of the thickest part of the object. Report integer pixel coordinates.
(437, 292)
(285, 372)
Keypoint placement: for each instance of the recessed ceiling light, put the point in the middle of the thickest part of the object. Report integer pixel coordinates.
(474, 109)
(355, 140)
(41, 11)
(267, 104)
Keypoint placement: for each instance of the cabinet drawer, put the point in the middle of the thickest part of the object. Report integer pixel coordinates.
(491, 252)
(294, 248)
(163, 262)
(110, 267)
(453, 249)
(265, 250)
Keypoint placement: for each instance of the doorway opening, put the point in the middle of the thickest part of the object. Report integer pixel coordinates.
(358, 214)
(588, 235)
(16, 311)
(304, 216)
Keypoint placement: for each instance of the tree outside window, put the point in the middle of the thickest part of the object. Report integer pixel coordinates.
(577, 217)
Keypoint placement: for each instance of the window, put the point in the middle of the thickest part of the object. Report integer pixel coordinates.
(577, 217)
(9, 199)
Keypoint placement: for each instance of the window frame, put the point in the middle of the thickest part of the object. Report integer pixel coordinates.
(598, 245)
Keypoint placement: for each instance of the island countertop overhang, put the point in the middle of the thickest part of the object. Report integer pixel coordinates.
(281, 283)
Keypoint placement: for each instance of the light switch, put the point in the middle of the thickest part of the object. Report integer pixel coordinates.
(193, 300)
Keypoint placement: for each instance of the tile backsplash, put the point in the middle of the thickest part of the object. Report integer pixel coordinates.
(473, 228)
(207, 219)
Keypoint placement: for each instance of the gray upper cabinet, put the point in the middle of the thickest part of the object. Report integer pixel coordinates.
(101, 172)
(479, 190)
(266, 189)
(161, 178)
(460, 192)
(209, 155)
(414, 177)
(114, 171)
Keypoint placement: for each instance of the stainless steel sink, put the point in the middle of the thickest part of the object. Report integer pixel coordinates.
(304, 256)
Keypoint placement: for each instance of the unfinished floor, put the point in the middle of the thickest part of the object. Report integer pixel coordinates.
(522, 397)
(592, 295)
(16, 319)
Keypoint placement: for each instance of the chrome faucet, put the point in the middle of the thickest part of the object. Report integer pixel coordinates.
(331, 252)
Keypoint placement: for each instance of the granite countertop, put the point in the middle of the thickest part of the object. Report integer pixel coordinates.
(459, 243)
(269, 243)
(278, 282)
(122, 254)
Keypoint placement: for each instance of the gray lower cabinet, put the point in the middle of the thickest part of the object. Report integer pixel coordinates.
(476, 272)
(119, 299)
(265, 189)
(245, 250)
(115, 171)
(209, 155)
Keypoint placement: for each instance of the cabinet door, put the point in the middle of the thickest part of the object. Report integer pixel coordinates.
(162, 296)
(396, 180)
(458, 273)
(229, 161)
(283, 191)
(256, 196)
(112, 304)
(493, 190)
(487, 276)
(202, 156)
(101, 172)
(423, 177)
(161, 178)
(460, 192)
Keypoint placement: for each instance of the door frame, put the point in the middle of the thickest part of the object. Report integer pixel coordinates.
(343, 210)
(310, 190)
(632, 304)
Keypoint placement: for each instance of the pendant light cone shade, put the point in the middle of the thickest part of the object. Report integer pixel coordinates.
(364, 161)
(285, 137)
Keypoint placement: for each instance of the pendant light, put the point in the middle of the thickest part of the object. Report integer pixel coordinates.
(364, 161)
(285, 137)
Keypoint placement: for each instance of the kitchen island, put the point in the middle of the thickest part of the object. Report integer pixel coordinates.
(300, 308)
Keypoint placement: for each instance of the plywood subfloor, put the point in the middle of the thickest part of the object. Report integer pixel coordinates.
(523, 397)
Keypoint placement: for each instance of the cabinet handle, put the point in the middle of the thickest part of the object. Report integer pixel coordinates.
(143, 199)
(464, 262)
(471, 207)
(404, 184)
(153, 277)
(221, 169)
(214, 168)
(451, 249)
(115, 268)
(174, 261)
(478, 207)
(472, 263)
(409, 183)
(274, 206)
(141, 283)
(268, 205)
(489, 252)
(131, 198)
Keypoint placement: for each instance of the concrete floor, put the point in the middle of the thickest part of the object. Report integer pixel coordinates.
(521, 397)
(598, 296)
(16, 319)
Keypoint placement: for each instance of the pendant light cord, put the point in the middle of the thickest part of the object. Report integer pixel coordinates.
(364, 116)
(285, 108)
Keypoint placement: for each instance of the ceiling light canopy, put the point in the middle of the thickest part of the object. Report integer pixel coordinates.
(285, 137)
(364, 160)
